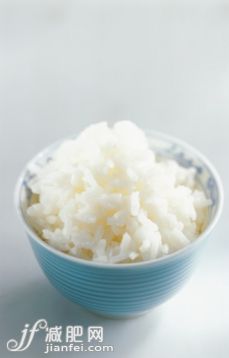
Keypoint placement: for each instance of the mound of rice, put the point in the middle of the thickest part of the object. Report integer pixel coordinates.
(104, 196)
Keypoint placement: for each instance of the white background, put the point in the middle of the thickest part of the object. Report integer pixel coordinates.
(162, 64)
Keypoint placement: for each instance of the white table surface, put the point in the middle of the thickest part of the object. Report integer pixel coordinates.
(65, 64)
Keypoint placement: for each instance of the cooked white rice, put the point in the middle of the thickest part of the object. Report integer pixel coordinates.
(105, 197)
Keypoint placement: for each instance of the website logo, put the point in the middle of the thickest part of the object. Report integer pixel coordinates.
(61, 339)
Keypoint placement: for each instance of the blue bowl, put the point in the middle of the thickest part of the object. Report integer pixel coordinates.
(125, 290)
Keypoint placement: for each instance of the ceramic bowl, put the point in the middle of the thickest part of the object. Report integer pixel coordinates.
(125, 290)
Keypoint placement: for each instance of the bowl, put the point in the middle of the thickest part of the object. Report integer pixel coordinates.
(125, 290)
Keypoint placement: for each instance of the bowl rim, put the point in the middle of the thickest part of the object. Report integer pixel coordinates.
(154, 262)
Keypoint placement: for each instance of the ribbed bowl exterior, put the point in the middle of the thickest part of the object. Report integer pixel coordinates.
(111, 291)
